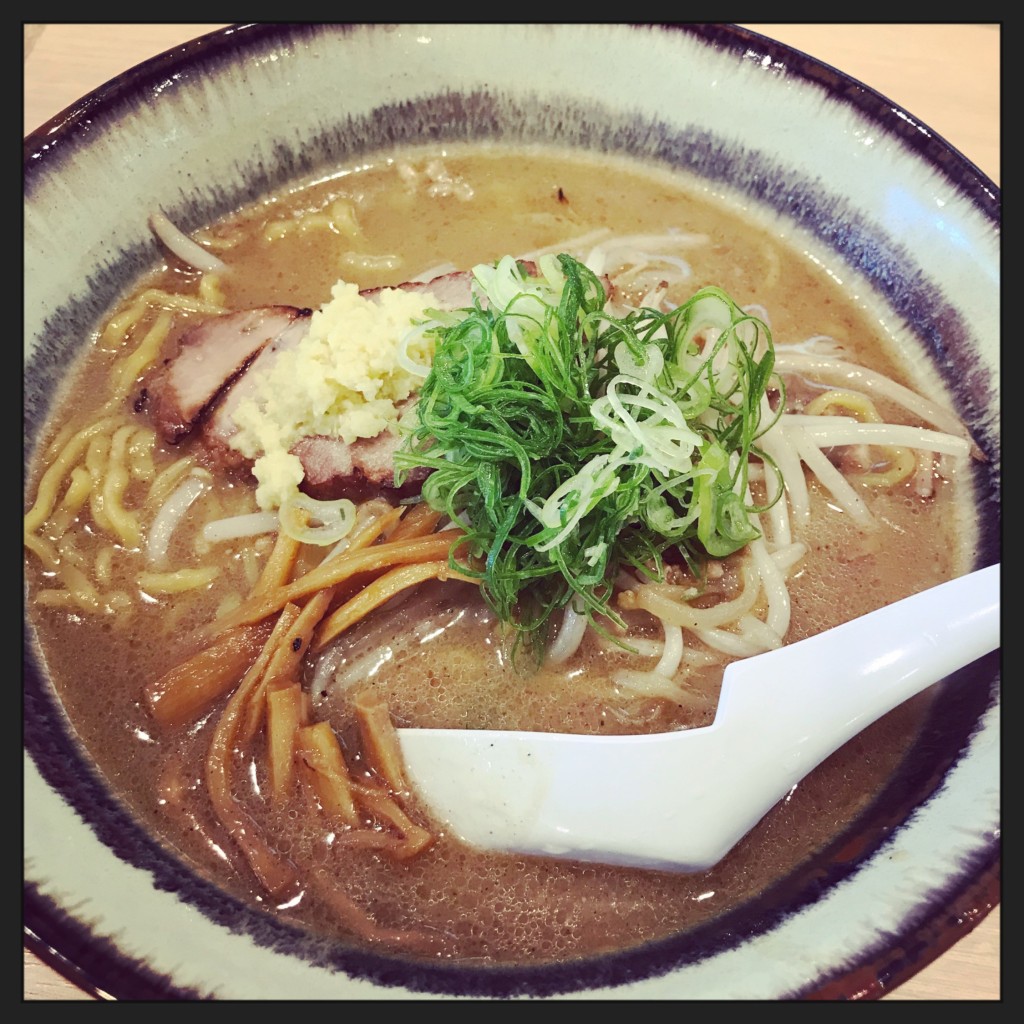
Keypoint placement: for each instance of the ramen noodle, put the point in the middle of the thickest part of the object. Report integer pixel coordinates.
(236, 622)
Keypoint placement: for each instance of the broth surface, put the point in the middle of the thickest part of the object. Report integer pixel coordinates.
(434, 656)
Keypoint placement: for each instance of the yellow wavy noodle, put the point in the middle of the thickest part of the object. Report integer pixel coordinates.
(339, 217)
(74, 571)
(771, 276)
(167, 480)
(140, 454)
(43, 550)
(124, 523)
(60, 439)
(671, 603)
(114, 603)
(77, 494)
(210, 289)
(902, 461)
(846, 403)
(78, 591)
(104, 564)
(99, 463)
(115, 334)
(58, 599)
(222, 240)
(275, 230)
(344, 220)
(127, 371)
(67, 548)
(184, 303)
(314, 222)
(368, 263)
(278, 229)
(902, 464)
(179, 580)
(46, 495)
(96, 462)
(381, 523)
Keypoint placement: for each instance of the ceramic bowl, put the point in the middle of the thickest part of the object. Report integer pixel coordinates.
(234, 114)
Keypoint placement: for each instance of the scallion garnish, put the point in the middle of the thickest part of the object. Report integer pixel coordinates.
(569, 442)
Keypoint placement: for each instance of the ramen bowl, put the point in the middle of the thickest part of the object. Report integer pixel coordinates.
(906, 221)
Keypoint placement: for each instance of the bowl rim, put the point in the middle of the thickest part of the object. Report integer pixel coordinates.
(981, 887)
(968, 177)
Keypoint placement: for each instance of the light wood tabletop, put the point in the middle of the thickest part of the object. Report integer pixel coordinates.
(947, 75)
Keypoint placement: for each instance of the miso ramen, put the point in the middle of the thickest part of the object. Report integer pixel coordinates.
(327, 472)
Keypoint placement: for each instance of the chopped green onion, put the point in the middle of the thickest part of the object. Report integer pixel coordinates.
(569, 442)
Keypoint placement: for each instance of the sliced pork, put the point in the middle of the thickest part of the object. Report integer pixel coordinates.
(217, 425)
(360, 470)
(197, 389)
(211, 357)
(195, 392)
(453, 291)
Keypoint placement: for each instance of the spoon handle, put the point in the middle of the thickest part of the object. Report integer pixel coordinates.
(822, 691)
(681, 800)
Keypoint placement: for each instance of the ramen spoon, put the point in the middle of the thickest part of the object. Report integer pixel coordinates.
(679, 801)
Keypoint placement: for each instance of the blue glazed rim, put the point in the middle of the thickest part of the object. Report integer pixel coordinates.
(99, 967)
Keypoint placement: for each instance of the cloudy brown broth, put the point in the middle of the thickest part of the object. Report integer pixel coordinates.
(398, 217)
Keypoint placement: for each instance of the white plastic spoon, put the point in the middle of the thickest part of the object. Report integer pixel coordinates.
(680, 801)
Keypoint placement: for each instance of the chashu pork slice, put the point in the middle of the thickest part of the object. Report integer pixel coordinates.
(211, 357)
(215, 368)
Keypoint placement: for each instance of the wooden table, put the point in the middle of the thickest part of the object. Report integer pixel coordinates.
(947, 75)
